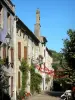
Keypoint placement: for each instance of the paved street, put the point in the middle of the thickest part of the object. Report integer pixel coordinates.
(46, 96)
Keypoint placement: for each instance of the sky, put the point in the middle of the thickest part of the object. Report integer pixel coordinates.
(56, 17)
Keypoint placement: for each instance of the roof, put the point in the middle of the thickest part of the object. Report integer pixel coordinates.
(6, 5)
(27, 30)
(10, 2)
(44, 39)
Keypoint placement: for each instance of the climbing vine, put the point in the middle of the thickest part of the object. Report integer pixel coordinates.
(24, 69)
(36, 80)
(47, 79)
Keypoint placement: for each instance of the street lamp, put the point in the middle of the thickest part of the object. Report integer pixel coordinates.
(39, 60)
(8, 37)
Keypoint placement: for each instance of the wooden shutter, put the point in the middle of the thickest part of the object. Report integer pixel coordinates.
(12, 57)
(18, 79)
(44, 53)
(8, 21)
(0, 14)
(44, 66)
(11, 86)
(19, 50)
(25, 53)
(4, 52)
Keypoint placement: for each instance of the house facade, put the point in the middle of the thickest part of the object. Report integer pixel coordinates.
(7, 15)
(26, 47)
(48, 65)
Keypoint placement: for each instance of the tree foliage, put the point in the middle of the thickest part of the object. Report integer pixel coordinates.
(55, 55)
(57, 59)
(47, 79)
(61, 72)
(24, 69)
(3, 78)
(69, 55)
(36, 80)
(69, 49)
(4, 86)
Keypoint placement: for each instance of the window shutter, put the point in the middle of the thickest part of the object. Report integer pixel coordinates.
(12, 57)
(4, 52)
(19, 50)
(44, 53)
(0, 15)
(18, 79)
(11, 86)
(25, 53)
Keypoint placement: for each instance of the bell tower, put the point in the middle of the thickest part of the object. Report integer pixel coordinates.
(37, 25)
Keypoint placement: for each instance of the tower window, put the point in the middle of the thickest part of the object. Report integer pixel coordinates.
(39, 18)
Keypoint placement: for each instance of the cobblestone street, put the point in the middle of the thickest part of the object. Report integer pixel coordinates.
(44, 97)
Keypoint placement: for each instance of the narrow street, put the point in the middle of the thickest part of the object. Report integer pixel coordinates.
(46, 96)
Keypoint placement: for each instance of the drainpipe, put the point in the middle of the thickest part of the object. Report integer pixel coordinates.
(28, 61)
(14, 69)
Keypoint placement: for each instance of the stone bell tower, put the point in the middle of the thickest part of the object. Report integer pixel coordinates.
(37, 25)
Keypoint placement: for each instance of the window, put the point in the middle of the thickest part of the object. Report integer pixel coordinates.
(0, 52)
(44, 66)
(25, 53)
(23, 35)
(20, 32)
(39, 18)
(19, 50)
(12, 57)
(44, 53)
(11, 86)
(8, 22)
(17, 30)
(7, 81)
(18, 79)
(1, 16)
(4, 52)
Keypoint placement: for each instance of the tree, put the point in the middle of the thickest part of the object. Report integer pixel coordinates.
(3, 77)
(3, 82)
(69, 49)
(69, 54)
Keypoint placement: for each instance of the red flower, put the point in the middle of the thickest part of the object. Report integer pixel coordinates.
(28, 94)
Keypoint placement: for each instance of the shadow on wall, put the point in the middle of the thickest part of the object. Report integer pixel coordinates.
(4, 96)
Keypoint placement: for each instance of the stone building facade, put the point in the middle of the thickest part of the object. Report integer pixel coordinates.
(27, 48)
(48, 64)
(43, 52)
(7, 15)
